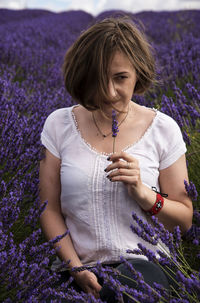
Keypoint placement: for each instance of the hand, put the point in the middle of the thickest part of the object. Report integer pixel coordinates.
(126, 169)
(88, 282)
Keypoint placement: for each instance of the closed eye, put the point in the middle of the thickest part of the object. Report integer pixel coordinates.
(121, 77)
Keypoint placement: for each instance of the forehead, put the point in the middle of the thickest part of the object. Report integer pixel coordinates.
(120, 62)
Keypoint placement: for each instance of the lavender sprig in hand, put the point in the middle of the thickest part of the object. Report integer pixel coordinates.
(115, 128)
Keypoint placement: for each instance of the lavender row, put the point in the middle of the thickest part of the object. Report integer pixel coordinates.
(32, 47)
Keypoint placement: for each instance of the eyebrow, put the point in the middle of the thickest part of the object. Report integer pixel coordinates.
(120, 73)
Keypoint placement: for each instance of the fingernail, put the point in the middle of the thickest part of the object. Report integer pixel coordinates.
(105, 170)
(108, 158)
(109, 178)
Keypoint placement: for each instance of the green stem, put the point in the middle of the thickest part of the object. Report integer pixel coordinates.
(175, 263)
(182, 258)
(168, 274)
(124, 276)
(113, 145)
(125, 293)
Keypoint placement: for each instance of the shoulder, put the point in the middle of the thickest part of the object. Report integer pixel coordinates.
(58, 119)
(166, 124)
(164, 118)
(169, 139)
(59, 114)
(56, 129)
(58, 122)
(159, 121)
(156, 120)
(165, 135)
(166, 131)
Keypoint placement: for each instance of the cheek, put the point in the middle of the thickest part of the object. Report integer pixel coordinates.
(134, 84)
(131, 86)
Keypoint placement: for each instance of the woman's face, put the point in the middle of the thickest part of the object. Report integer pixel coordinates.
(122, 80)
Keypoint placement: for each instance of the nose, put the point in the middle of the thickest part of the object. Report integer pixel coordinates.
(111, 89)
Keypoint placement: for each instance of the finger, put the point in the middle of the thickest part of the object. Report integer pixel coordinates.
(93, 292)
(121, 164)
(95, 286)
(98, 287)
(122, 155)
(123, 172)
(133, 180)
(90, 290)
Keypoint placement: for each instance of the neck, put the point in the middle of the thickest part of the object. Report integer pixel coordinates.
(105, 114)
(102, 124)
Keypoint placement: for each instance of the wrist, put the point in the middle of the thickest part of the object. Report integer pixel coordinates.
(145, 197)
(159, 203)
(157, 206)
(78, 274)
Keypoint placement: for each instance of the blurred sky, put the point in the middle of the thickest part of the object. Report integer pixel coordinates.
(96, 6)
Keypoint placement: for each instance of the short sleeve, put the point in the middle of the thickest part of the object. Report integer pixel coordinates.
(172, 143)
(49, 136)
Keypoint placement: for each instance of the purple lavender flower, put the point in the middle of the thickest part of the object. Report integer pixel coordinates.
(144, 230)
(31, 87)
(186, 138)
(115, 129)
(191, 190)
(193, 234)
(197, 216)
(144, 251)
(177, 236)
(190, 284)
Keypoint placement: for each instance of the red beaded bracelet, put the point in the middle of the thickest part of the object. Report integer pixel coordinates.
(158, 205)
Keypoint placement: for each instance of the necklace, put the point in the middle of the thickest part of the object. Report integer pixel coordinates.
(106, 135)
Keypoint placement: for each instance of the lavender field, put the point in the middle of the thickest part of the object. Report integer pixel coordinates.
(32, 48)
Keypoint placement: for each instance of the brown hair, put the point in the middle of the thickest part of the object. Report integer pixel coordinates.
(86, 62)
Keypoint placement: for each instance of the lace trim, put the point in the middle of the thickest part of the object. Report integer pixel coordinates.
(93, 149)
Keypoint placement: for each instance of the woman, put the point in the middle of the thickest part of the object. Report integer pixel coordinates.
(93, 191)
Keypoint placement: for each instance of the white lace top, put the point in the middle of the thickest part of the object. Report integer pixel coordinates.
(97, 211)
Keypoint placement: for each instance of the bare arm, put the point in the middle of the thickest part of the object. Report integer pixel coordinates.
(53, 224)
(51, 220)
(177, 209)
